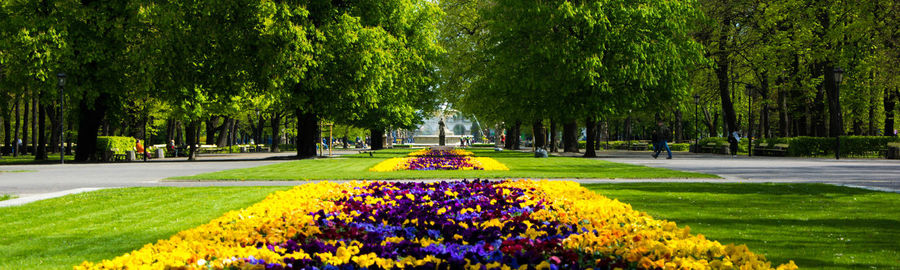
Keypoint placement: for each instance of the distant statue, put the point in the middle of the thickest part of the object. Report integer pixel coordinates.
(441, 135)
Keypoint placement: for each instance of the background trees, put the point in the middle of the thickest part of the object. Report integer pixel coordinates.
(237, 70)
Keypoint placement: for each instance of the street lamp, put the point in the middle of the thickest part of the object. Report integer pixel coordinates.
(61, 77)
(696, 117)
(838, 78)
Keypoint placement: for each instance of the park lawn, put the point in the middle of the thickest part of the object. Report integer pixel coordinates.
(521, 165)
(818, 226)
(29, 159)
(61, 232)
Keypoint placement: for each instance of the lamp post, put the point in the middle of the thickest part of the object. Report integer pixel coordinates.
(838, 78)
(62, 145)
(696, 127)
(750, 120)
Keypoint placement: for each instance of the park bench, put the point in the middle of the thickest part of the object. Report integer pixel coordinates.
(639, 147)
(766, 149)
(714, 148)
(366, 151)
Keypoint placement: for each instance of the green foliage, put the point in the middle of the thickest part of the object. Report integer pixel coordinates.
(567, 60)
(117, 144)
(862, 146)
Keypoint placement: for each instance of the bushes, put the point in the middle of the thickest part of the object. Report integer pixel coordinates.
(116, 144)
(860, 146)
(482, 145)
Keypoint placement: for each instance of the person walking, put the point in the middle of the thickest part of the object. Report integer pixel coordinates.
(660, 139)
(733, 140)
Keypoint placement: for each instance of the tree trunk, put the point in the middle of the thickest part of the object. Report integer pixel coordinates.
(591, 126)
(276, 132)
(553, 138)
(570, 137)
(179, 133)
(307, 133)
(34, 125)
(818, 114)
(764, 130)
(537, 129)
(890, 99)
(628, 128)
(377, 135)
(722, 64)
(233, 133)
(7, 125)
(260, 129)
(25, 125)
(835, 115)
(212, 125)
(192, 133)
(517, 135)
(53, 116)
(679, 126)
(16, 129)
(41, 153)
(222, 132)
(89, 117)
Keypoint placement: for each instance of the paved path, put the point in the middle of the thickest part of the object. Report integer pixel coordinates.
(47, 181)
(869, 173)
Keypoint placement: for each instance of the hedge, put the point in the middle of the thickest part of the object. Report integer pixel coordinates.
(116, 144)
(818, 146)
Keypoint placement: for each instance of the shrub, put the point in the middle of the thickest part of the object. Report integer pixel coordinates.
(116, 144)
(401, 146)
(817, 146)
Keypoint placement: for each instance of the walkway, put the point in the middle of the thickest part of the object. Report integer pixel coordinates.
(47, 181)
(877, 174)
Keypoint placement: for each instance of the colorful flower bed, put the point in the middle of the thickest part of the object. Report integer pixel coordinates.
(457, 225)
(429, 159)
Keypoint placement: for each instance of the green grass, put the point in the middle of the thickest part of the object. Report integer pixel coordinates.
(4, 197)
(61, 232)
(818, 226)
(29, 159)
(521, 165)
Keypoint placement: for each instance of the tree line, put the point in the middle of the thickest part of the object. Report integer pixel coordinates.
(762, 68)
(137, 64)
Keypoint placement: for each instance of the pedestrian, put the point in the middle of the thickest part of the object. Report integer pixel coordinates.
(733, 140)
(172, 148)
(660, 138)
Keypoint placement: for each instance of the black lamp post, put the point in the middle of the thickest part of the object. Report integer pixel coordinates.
(62, 145)
(696, 118)
(838, 78)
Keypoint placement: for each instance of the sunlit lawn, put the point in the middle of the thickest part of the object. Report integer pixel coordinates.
(818, 226)
(61, 232)
(521, 165)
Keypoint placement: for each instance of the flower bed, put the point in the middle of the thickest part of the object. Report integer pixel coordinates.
(429, 159)
(473, 225)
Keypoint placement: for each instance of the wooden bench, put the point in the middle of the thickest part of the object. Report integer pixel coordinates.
(639, 147)
(765, 149)
(366, 151)
(714, 148)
